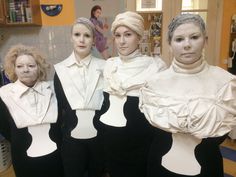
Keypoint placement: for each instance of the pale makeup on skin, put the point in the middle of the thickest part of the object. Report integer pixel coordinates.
(82, 39)
(126, 40)
(26, 70)
(187, 43)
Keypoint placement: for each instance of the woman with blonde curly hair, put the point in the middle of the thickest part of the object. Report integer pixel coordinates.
(29, 114)
(18, 50)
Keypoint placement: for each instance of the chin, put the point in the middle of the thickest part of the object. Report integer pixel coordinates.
(188, 62)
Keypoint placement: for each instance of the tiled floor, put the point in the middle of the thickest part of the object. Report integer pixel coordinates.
(228, 150)
(8, 173)
(229, 153)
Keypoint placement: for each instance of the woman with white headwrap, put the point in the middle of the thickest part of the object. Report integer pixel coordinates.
(126, 132)
(194, 105)
(78, 84)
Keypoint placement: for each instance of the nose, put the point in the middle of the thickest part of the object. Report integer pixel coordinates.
(122, 40)
(25, 69)
(187, 44)
(81, 38)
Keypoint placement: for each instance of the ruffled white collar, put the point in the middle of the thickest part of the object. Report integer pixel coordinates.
(131, 56)
(25, 112)
(193, 68)
(125, 75)
(72, 61)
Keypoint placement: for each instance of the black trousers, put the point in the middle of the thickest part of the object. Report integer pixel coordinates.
(83, 157)
(207, 154)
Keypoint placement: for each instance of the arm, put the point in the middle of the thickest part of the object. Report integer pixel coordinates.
(60, 97)
(102, 29)
(4, 121)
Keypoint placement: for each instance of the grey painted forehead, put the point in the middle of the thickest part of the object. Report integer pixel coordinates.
(183, 19)
(86, 22)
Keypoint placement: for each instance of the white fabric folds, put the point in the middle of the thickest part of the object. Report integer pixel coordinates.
(69, 73)
(126, 75)
(200, 100)
(30, 106)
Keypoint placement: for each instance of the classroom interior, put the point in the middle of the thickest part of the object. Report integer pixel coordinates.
(46, 24)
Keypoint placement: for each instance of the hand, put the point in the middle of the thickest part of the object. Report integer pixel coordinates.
(105, 26)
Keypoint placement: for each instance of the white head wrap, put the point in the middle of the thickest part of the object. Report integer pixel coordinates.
(132, 20)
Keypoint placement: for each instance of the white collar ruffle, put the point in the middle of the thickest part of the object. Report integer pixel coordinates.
(25, 112)
(125, 75)
(193, 68)
(71, 81)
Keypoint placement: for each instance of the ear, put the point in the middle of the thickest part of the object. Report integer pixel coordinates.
(71, 40)
(170, 48)
(94, 40)
(206, 40)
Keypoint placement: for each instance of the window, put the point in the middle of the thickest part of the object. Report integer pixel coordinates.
(148, 5)
(195, 6)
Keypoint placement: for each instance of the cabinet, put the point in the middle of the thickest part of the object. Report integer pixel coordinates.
(20, 12)
(2, 18)
(232, 45)
(151, 44)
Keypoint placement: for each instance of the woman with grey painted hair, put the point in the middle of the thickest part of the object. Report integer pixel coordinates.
(127, 134)
(192, 105)
(78, 84)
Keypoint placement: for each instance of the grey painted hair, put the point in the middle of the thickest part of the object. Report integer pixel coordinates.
(86, 22)
(183, 19)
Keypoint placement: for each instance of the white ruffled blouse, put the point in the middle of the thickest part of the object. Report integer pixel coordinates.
(30, 106)
(125, 75)
(82, 82)
(198, 99)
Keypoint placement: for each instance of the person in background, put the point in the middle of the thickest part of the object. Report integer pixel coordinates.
(29, 114)
(78, 85)
(100, 39)
(127, 134)
(192, 105)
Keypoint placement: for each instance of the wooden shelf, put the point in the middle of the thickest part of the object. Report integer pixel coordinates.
(20, 13)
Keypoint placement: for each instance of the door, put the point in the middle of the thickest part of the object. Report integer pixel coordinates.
(210, 10)
(2, 12)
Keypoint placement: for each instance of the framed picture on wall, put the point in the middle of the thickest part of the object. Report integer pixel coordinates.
(148, 5)
(145, 48)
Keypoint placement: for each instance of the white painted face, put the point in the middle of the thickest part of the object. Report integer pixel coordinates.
(82, 39)
(187, 43)
(126, 40)
(26, 70)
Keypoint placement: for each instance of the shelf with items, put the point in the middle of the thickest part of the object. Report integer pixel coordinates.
(22, 12)
(2, 16)
(232, 49)
(153, 33)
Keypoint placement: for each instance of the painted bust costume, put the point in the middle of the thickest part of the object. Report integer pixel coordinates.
(79, 82)
(194, 105)
(126, 133)
(29, 115)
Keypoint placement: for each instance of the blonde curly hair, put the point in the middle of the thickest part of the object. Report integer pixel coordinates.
(18, 50)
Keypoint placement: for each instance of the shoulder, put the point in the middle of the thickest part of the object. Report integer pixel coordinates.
(111, 61)
(156, 62)
(94, 21)
(65, 62)
(6, 90)
(99, 61)
(159, 63)
(220, 74)
(6, 87)
(110, 64)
